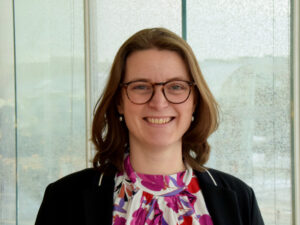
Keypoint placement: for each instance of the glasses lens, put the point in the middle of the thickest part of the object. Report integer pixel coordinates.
(139, 92)
(177, 91)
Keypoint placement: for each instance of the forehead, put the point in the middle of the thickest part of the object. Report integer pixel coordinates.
(155, 65)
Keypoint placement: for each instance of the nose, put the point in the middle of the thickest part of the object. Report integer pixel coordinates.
(158, 99)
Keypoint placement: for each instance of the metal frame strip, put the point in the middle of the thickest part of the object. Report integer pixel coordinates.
(87, 80)
(183, 18)
(295, 62)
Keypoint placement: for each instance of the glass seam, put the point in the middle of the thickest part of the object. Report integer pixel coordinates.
(183, 19)
(16, 111)
(87, 79)
(295, 111)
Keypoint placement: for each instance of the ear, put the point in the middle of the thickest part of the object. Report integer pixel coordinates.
(120, 107)
(194, 106)
(195, 102)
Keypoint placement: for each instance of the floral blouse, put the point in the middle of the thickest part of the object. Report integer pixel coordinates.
(158, 199)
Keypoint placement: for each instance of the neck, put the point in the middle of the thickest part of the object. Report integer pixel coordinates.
(156, 160)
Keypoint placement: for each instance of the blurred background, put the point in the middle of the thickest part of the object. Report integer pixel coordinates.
(55, 56)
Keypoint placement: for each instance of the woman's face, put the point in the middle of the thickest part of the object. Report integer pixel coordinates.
(158, 122)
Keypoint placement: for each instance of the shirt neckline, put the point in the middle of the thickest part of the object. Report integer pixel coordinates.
(157, 184)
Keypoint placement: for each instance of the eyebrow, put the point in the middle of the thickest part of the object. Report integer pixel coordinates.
(148, 80)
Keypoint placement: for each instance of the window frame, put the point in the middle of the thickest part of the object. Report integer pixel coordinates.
(295, 115)
(88, 113)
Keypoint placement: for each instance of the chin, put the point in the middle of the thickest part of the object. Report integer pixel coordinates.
(162, 143)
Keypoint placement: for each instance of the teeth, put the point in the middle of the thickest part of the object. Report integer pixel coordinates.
(158, 120)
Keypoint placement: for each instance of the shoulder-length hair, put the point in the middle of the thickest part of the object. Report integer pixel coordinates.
(110, 136)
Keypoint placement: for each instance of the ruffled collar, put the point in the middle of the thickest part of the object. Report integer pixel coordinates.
(158, 199)
(159, 185)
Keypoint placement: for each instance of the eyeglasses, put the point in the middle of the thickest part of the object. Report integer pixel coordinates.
(175, 91)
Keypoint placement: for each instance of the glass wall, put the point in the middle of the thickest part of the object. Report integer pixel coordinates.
(243, 48)
(48, 141)
(244, 51)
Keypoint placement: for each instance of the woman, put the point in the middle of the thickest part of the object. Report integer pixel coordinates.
(150, 130)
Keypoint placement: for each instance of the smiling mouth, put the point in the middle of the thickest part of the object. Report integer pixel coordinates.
(159, 120)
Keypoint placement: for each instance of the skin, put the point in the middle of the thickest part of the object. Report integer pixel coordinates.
(156, 148)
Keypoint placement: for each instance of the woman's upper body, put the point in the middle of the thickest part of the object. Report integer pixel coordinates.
(79, 199)
(158, 109)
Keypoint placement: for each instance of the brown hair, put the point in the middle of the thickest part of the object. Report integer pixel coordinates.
(110, 136)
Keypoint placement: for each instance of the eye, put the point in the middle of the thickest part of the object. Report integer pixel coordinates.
(177, 86)
(140, 86)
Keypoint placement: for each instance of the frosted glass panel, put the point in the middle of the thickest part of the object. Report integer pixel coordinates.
(7, 117)
(243, 49)
(50, 84)
(113, 21)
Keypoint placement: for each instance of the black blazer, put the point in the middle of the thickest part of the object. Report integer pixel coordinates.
(77, 199)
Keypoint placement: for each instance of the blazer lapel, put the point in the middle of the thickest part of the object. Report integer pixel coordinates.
(221, 203)
(98, 202)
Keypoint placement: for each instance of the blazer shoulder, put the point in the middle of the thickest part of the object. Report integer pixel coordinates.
(223, 180)
(221, 190)
(227, 180)
(77, 180)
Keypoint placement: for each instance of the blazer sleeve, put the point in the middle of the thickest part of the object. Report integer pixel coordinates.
(65, 200)
(52, 208)
(256, 218)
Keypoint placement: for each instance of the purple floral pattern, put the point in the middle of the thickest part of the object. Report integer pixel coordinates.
(158, 199)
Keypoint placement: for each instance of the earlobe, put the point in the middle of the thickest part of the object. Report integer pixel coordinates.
(120, 111)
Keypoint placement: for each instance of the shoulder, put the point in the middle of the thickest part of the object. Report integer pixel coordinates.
(80, 180)
(224, 190)
(66, 194)
(225, 181)
(65, 200)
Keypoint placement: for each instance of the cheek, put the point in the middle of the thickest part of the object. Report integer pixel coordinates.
(186, 113)
(131, 113)
(127, 107)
